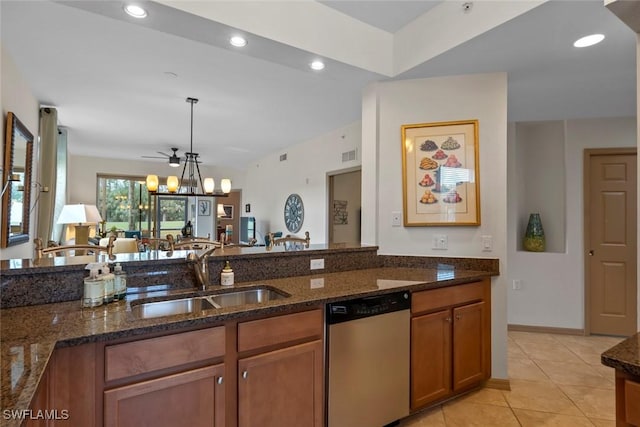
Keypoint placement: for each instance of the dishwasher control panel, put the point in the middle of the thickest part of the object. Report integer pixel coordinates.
(343, 311)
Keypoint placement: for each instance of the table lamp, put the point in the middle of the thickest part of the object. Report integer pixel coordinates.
(82, 216)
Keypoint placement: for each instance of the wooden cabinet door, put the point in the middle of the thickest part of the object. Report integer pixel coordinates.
(193, 398)
(282, 387)
(469, 345)
(430, 358)
(40, 402)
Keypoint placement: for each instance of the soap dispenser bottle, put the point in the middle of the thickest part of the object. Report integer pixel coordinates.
(93, 293)
(226, 277)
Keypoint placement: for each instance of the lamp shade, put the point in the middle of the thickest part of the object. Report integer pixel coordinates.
(225, 184)
(79, 214)
(220, 212)
(209, 185)
(152, 182)
(172, 183)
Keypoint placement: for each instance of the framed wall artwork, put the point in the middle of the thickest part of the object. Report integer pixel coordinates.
(440, 174)
(204, 208)
(228, 212)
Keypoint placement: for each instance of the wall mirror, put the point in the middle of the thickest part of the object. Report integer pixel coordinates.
(18, 149)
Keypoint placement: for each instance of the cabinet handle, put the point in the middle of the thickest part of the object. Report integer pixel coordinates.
(220, 380)
(447, 319)
(458, 316)
(245, 374)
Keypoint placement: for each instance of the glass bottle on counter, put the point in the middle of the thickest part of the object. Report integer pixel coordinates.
(120, 283)
(93, 293)
(108, 280)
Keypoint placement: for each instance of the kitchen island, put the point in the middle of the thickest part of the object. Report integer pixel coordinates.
(625, 359)
(30, 334)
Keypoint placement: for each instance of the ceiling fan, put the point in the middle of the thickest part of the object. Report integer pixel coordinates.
(174, 159)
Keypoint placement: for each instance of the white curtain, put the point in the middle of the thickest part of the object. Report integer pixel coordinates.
(48, 166)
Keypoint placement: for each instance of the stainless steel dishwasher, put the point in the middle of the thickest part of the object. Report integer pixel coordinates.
(368, 361)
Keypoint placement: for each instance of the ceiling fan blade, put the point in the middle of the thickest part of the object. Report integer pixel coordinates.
(152, 157)
(164, 154)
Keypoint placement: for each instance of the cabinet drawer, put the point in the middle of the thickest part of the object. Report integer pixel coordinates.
(446, 297)
(138, 357)
(279, 330)
(632, 402)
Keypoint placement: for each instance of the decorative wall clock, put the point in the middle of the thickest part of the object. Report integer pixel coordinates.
(293, 213)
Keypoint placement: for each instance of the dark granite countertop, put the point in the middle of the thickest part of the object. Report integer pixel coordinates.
(30, 334)
(624, 356)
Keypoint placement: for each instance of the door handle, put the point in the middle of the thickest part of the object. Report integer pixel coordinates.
(245, 374)
(447, 319)
(458, 316)
(591, 252)
(220, 380)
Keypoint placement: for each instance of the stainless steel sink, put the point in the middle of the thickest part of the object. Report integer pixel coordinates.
(170, 307)
(249, 296)
(148, 310)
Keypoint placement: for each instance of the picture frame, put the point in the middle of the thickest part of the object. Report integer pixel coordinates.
(441, 174)
(204, 207)
(228, 212)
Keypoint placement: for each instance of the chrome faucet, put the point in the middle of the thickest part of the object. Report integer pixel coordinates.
(201, 265)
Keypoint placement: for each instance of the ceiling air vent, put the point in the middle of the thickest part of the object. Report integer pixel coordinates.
(348, 156)
(283, 157)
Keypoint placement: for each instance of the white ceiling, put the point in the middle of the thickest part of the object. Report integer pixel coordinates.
(107, 74)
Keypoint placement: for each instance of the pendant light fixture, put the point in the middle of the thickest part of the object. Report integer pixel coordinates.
(189, 187)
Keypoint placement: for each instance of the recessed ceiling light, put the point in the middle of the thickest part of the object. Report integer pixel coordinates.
(317, 65)
(589, 40)
(238, 41)
(135, 11)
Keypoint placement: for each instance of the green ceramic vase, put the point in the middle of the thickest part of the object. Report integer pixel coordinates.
(534, 240)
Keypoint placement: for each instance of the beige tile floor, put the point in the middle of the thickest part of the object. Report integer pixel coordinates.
(556, 381)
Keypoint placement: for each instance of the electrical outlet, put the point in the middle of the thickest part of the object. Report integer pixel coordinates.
(440, 242)
(317, 264)
(487, 243)
(517, 284)
(396, 219)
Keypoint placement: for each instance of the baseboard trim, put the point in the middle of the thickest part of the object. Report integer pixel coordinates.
(498, 384)
(545, 329)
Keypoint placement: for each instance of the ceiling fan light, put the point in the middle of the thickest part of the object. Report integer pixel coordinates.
(172, 183)
(225, 184)
(174, 161)
(209, 185)
(152, 183)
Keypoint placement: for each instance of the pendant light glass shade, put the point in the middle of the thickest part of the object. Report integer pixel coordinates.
(209, 185)
(152, 182)
(172, 183)
(220, 212)
(225, 184)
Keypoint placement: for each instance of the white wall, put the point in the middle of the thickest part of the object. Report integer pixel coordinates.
(386, 107)
(270, 181)
(552, 292)
(18, 98)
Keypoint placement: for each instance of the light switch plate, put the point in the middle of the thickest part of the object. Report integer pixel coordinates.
(487, 243)
(396, 219)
